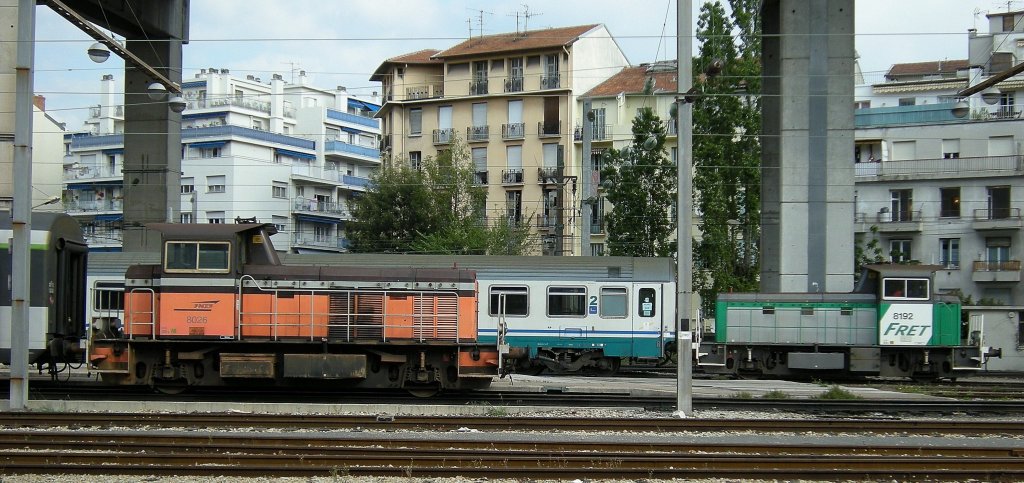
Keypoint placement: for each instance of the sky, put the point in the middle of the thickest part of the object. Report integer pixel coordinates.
(342, 43)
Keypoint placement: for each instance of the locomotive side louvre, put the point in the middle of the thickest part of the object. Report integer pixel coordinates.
(57, 291)
(892, 325)
(225, 320)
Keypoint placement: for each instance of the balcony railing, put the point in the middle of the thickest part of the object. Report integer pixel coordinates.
(1002, 266)
(1000, 218)
(93, 205)
(514, 216)
(478, 87)
(340, 147)
(549, 81)
(548, 175)
(514, 84)
(443, 136)
(477, 133)
(547, 222)
(598, 227)
(515, 130)
(91, 172)
(599, 133)
(671, 128)
(512, 176)
(1005, 112)
(352, 118)
(549, 128)
(889, 222)
(480, 177)
(309, 239)
(333, 208)
(424, 92)
(945, 167)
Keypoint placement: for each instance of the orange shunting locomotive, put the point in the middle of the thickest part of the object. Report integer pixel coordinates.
(221, 309)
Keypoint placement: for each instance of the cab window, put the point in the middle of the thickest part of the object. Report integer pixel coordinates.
(905, 289)
(191, 257)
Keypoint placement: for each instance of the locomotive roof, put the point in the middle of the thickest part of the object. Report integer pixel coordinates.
(208, 231)
(901, 270)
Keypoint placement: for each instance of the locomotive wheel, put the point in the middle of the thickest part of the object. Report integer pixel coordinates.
(608, 366)
(423, 391)
(170, 388)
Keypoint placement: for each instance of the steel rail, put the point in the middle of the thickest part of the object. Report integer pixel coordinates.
(505, 423)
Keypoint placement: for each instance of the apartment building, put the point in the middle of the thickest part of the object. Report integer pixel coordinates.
(510, 97)
(932, 187)
(614, 104)
(278, 152)
(47, 133)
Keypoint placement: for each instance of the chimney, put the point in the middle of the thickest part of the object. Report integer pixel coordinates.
(277, 77)
(108, 77)
(40, 102)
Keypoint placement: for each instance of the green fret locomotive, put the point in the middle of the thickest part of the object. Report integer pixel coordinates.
(892, 325)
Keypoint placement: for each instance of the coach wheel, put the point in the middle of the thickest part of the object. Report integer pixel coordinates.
(170, 388)
(607, 366)
(424, 391)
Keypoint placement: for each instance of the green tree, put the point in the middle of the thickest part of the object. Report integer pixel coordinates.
(434, 208)
(640, 182)
(726, 152)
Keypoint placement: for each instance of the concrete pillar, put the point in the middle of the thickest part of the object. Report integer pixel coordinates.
(807, 146)
(152, 147)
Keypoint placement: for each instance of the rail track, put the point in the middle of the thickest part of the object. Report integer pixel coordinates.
(494, 455)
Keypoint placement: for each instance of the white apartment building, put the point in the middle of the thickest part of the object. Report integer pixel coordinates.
(935, 188)
(284, 153)
(47, 133)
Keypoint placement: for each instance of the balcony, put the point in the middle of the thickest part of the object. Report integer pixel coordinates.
(328, 208)
(515, 130)
(478, 134)
(547, 222)
(306, 239)
(352, 118)
(424, 92)
(599, 133)
(548, 175)
(905, 115)
(514, 216)
(514, 84)
(1005, 218)
(549, 128)
(91, 172)
(480, 177)
(1004, 271)
(79, 207)
(902, 222)
(443, 136)
(250, 104)
(939, 168)
(478, 87)
(597, 228)
(671, 127)
(550, 81)
(347, 149)
(102, 233)
(512, 176)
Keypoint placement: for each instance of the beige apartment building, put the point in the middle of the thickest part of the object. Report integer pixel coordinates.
(513, 99)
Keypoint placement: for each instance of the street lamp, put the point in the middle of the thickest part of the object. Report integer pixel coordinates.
(176, 103)
(156, 91)
(98, 52)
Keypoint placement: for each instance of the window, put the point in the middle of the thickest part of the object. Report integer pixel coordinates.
(950, 148)
(188, 256)
(510, 300)
(280, 222)
(216, 184)
(861, 104)
(597, 249)
(648, 303)
(614, 302)
(209, 152)
(901, 203)
(567, 301)
(188, 185)
(514, 157)
(998, 202)
(905, 289)
(904, 150)
(186, 218)
(1008, 23)
(899, 251)
(1001, 146)
(108, 296)
(257, 124)
(321, 233)
(215, 217)
(279, 190)
(949, 252)
(907, 101)
(415, 121)
(514, 206)
(950, 203)
(415, 160)
(997, 252)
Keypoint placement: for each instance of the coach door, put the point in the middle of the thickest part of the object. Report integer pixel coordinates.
(646, 316)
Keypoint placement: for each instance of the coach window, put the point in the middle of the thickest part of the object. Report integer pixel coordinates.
(648, 303)
(516, 301)
(190, 257)
(905, 289)
(567, 301)
(614, 302)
